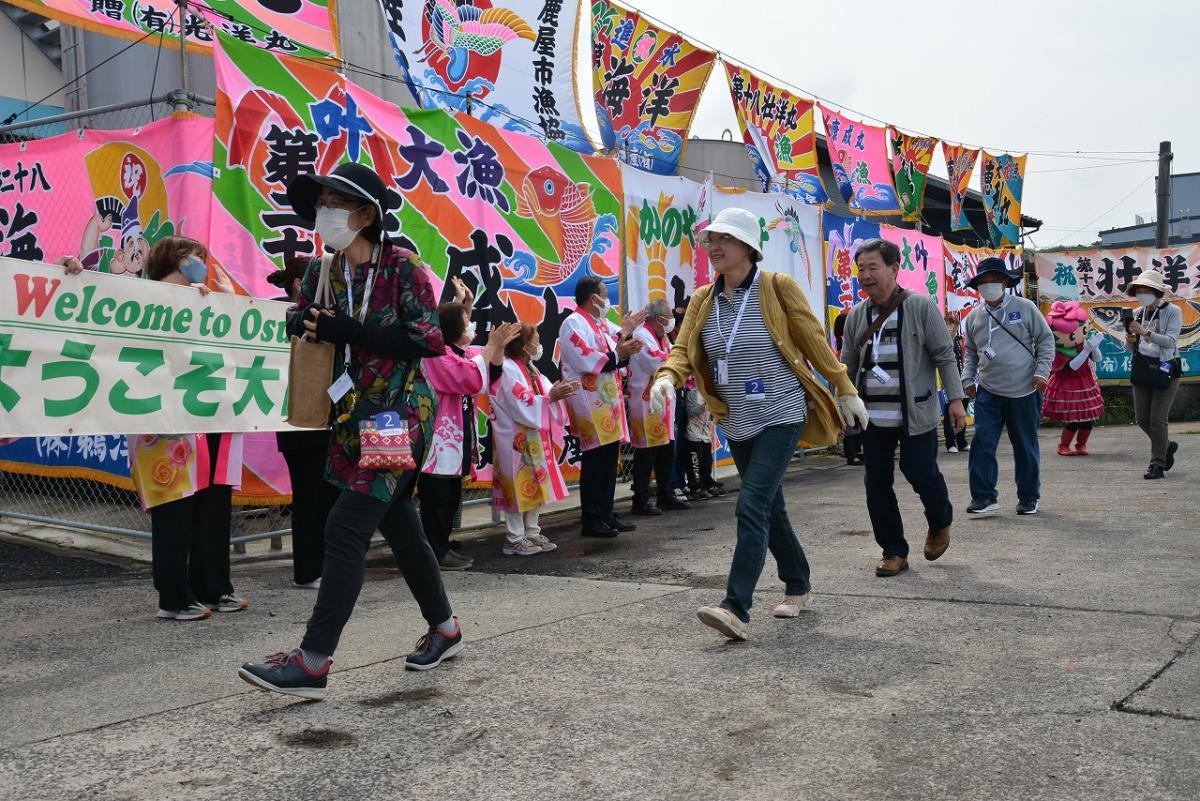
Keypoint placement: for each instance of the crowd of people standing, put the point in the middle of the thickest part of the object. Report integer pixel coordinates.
(746, 354)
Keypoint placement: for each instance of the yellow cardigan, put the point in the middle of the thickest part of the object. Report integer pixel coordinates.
(800, 338)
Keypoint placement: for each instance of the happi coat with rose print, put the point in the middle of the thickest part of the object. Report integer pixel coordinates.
(171, 467)
(525, 474)
(452, 377)
(647, 429)
(597, 413)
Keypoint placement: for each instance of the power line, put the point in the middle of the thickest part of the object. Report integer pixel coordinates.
(11, 118)
(1091, 222)
(1094, 166)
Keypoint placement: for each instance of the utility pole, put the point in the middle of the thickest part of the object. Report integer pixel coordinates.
(182, 101)
(1162, 226)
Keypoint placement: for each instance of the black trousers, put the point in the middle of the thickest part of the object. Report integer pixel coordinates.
(312, 497)
(661, 460)
(352, 521)
(598, 483)
(189, 548)
(440, 498)
(918, 463)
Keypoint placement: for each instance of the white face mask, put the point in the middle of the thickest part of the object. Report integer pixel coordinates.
(1146, 298)
(603, 302)
(537, 353)
(469, 333)
(991, 292)
(670, 326)
(333, 226)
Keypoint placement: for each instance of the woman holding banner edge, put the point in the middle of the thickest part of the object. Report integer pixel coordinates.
(383, 321)
(186, 481)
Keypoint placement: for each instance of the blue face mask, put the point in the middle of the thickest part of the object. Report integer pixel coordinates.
(194, 270)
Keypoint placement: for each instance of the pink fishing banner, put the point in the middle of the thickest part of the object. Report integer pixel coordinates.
(860, 164)
(301, 27)
(920, 262)
(106, 196)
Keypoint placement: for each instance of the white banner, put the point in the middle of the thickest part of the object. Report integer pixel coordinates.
(511, 64)
(661, 213)
(791, 236)
(103, 354)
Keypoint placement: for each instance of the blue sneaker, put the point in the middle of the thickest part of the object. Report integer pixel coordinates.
(435, 647)
(286, 673)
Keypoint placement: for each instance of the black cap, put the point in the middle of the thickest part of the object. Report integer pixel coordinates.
(352, 180)
(993, 264)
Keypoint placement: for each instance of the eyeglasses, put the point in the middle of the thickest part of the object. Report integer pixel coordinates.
(346, 205)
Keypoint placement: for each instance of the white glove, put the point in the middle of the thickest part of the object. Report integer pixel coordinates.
(660, 395)
(853, 411)
(1083, 356)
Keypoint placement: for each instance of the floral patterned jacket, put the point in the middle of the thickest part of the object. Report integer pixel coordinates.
(401, 327)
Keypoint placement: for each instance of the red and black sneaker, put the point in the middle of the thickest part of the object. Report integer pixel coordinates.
(286, 673)
(435, 647)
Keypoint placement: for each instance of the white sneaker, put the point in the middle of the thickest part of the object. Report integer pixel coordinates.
(952, 449)
(229, 603)
(723, 621)
(543, 542)
(790, 605)
(197, 611)
(522, 547)
(315, 584)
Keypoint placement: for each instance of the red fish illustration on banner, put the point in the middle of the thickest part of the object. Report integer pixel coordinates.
(566, 213)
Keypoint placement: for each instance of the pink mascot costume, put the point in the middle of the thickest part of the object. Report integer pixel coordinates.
(1073, 395)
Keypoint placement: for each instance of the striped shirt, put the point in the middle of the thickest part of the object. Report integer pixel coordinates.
(754, 357)
(885, 403)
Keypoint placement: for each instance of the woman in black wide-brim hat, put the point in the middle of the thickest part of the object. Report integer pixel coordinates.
(382, 320)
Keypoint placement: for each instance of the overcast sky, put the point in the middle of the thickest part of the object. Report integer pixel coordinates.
(1053, 75)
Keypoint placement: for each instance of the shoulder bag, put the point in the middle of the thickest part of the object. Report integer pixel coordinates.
(310, 369)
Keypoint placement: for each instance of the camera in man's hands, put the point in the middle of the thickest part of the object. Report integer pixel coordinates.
(1126, 317)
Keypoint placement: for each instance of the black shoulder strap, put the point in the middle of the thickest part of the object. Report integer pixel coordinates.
(1004, 328)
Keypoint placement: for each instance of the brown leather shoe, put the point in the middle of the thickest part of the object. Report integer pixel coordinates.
(891, 565)
(936, 543)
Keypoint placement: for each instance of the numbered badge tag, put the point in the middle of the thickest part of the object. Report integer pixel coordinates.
(388, 423)
(991, 354)
(1165, 366)
(338, 389)
(881, 375)
(722, 371)
(1014, 317)
(756, 390)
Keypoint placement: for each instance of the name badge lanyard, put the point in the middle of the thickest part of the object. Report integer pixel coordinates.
(366, 301)
(737, 321)
(994, 324)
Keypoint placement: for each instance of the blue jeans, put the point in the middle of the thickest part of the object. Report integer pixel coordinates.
(762, 520)
(1021, 416)
(918, 463)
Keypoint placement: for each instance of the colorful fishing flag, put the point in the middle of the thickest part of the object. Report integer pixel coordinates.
(1099, 278)
(777, 127)
(1001, 181)
(508, 62)
(911, 156)
(921, 265)
(961, 262)
(106, 196)
(960, 162)
(518, 219)
(647, 82)
(304, 28)
(661, 213)
(860, 164)
(842, 237)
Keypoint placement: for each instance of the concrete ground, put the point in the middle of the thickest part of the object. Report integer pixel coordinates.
(1047, 657)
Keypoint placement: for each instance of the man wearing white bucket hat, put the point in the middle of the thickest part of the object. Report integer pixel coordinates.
(1153, 337)
(752, 342)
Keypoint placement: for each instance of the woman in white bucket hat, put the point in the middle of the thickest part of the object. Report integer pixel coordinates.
(752, 343)
(1153, 337)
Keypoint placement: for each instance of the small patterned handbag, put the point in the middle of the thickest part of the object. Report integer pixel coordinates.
(385, 443)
